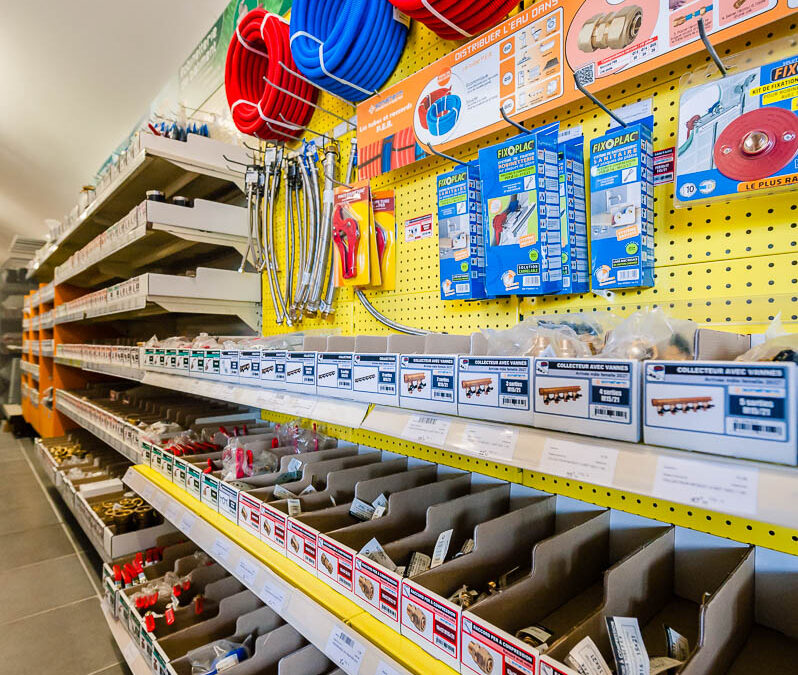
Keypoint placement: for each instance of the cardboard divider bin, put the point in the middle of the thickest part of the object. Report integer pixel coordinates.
(681, 579)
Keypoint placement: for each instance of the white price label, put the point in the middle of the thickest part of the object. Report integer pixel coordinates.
(579, 461)
(482, 440)
(274, 594)
(707, 485)
(221, 549)
(130, 652)
(344, 651)
(303, 406)
(187, 523)
(172, 513)
(384, 669)
(246, 571)
(294, 465)
(427, 430)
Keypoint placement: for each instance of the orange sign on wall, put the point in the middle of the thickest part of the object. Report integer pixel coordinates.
(527, 65)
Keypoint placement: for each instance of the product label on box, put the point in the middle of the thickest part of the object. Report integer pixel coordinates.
(435, 621)
(273, 526)
(156, 459)
(494, 382)
(301, 543)
(160, 358)
(183, 361)
(146, 453)
(427, 378)
(272, 368)
(622, 208)
(378, 587)
(228, 501)
(249, 513)
(375, 375)
(249, 366)
(196, 365)
(149, 358)
(584, 388)
(170, 359)
(167, 464)
(194, 481)
(210, 491)
(213, 362)
(228, 365)
(300, 369)
(335, 562)
(729, 399)
(334, 372)
(480, 643)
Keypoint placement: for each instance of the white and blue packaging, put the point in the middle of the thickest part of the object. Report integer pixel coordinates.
(573, 212)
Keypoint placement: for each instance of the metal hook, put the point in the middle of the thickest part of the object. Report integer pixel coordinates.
(509, 121)
(440, 154)
(232, 170)
(585, 92)
(308, 129)
(305, 79)
(346, 185)
(249, 147)
(304, 100)
(234, 161)
(702, 32)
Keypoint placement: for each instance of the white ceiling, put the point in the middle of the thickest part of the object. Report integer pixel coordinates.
(75, 77)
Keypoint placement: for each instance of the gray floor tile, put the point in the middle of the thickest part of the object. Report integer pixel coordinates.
(72, 640)
(15, 517)
(42, 586)
(34, 545)
(10, 453)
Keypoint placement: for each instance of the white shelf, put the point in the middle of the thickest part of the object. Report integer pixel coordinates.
(194, 168)
(210, 291)
(130, 652)
(756, 490)
(302, 611)
(154, 232)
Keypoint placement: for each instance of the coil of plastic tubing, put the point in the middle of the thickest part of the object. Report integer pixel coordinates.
(443, 114)
(348, 47)
(259, 107)
(456, 19)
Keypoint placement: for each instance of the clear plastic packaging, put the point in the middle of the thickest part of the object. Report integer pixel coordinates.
(219, 655)
(651, 334)
(238, 461)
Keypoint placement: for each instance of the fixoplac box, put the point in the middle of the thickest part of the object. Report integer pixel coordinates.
(521, 214)
(588, 396)
(732, 408)
(460, 237)
(573, 212)
(622, 207)
(494, 387)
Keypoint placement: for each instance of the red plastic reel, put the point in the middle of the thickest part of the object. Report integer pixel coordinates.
(757, 144)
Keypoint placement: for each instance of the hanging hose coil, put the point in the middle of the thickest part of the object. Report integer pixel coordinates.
(348, 47)
(260, 43)
(455, 19)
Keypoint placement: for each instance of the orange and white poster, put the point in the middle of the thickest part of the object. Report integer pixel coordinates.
(527, 66)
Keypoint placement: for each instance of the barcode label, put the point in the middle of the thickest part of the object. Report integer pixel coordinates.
(386, 389)
(528, 281)
(346, 652)
(621, 414)
(461, 288)
(586, 74)
(755, 428)
(628, 275)
(514, 402)
(445, 395)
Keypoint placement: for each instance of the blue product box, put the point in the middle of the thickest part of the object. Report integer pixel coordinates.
(573, 216)
(738, 136)
(460, 237)
(521, 214)
(622, 207)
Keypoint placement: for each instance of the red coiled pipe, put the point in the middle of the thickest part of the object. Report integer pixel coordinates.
(456, 19)
(260, 43)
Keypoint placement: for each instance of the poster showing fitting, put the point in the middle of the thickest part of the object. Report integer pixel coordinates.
(738, 135)
(527, 65)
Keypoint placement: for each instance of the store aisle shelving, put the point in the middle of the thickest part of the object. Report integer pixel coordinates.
(50, 616)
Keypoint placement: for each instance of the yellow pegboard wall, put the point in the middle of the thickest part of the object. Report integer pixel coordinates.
(732, 265)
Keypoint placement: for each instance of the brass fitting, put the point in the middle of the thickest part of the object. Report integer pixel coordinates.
(481, 657)
(614, 30)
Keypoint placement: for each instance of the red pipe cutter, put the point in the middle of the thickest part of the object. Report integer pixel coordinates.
(346, 235)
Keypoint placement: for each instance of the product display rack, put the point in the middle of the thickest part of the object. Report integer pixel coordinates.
(727, 254)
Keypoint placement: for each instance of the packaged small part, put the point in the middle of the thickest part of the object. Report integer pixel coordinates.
(521, 214)
(738, 135)
(622, 207)
(461, 242)
(573, 214)
(384, 213)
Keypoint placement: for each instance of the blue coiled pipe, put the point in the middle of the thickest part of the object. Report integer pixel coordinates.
(362, 43)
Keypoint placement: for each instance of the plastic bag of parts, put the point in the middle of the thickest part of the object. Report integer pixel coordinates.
(563, 336)
(204, 341)
(175, 342)
(159, 428)
(302, 439)
(156, 593)
(238, 461)
(651, 334)
(218, 656)
(777, 345)
(152, 342)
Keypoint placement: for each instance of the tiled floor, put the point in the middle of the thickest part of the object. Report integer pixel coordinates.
(50, 617)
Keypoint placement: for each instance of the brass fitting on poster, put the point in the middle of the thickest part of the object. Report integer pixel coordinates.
(614, 30)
